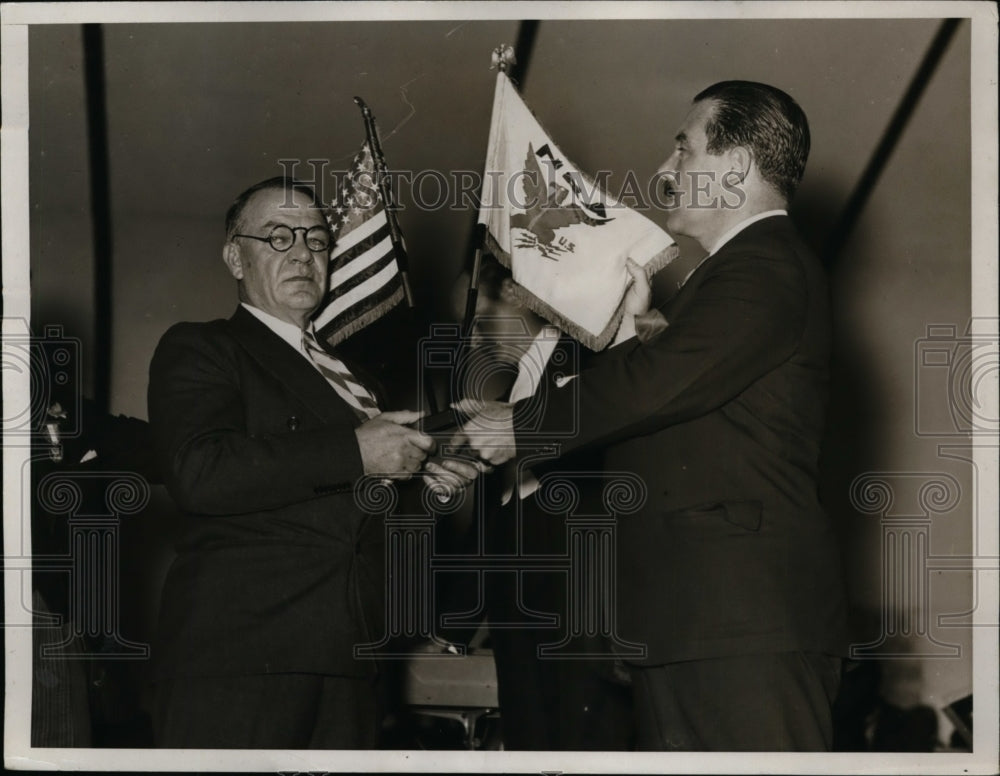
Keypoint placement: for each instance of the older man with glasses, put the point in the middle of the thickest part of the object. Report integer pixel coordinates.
(262, 435)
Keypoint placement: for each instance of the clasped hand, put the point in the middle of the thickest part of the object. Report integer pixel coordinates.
(392, 449)
(489, 431)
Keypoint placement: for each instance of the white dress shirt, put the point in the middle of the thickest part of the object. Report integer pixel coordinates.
(529, 371)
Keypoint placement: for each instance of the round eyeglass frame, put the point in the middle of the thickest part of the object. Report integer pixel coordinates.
(283, 233)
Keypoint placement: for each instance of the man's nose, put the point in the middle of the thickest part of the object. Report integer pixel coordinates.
(668, 168)
(299, 252)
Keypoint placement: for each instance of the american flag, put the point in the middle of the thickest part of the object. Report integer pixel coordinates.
(365, 281)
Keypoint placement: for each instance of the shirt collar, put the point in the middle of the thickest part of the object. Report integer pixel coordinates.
(731, 234)
(289, 332)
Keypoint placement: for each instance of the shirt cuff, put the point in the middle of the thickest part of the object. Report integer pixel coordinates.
(649, 324)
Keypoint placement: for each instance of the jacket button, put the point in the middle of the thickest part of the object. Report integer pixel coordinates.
(293, 423)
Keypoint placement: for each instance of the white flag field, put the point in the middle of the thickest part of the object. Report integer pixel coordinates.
(564, 240)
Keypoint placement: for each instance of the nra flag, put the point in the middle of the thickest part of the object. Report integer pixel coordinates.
(365, 282)
(564, 240)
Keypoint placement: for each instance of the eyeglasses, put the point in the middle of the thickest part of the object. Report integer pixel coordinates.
(282, 238)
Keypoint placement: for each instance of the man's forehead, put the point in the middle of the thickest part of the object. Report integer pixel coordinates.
(272, 204)
(693, 126)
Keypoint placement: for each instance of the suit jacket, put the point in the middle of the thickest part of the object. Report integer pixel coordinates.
(282, 571)
(521, 527)
(721, 415)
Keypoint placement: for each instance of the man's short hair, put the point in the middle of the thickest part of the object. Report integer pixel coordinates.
(234, 215)
(765, 120)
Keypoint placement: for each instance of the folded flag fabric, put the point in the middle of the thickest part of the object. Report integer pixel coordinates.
(365, 281)
(564, 240)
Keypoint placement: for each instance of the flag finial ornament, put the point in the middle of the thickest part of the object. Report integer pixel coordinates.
(365, 110)
(502, 58)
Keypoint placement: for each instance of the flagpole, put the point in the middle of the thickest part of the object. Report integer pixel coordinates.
(472, 295)
(395, 235)
(503, 58)
(382, 178)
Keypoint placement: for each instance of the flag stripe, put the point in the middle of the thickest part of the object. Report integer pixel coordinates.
(368, 266)
(365, 280)
(362, 314)
(346, 241)
(391, 293)
(358, 293)
(341, 269)
(340, 299)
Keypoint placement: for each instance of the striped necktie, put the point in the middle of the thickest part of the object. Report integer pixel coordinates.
(340, 377)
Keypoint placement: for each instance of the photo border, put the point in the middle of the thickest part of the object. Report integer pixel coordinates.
(15, 218)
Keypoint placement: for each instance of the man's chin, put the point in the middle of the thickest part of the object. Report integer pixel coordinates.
(304, 300)
(675, 225)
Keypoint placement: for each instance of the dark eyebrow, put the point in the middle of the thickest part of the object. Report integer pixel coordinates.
(271, 223)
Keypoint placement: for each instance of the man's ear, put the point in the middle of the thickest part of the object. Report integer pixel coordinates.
(231, 256)
(740, 158)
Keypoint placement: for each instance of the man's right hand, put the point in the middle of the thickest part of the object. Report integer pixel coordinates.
(391, 449)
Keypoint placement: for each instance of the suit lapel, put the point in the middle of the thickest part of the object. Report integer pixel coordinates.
(289, 368)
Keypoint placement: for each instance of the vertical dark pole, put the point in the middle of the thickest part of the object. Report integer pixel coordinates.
(395, 235)
(527, 31)
(525, 44)
(472, 295)
(382, 180)
(880, 156)
(100, 209)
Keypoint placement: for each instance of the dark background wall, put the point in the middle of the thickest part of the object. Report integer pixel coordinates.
(197, 112)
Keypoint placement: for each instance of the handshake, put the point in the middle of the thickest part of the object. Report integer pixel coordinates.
(393, 448)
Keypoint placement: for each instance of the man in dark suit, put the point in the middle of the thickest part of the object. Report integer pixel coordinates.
(264, 439)
(546, 702)
(729, 573)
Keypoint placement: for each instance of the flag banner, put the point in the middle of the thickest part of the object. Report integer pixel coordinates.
(564, 240)
(365, 281)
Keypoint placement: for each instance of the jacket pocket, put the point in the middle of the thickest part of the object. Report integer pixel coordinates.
(745, 514)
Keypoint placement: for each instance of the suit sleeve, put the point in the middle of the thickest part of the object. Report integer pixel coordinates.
(745, 320)
(211, 463)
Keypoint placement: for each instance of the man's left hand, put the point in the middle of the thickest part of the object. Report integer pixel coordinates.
(639, 296)
(489, 431)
